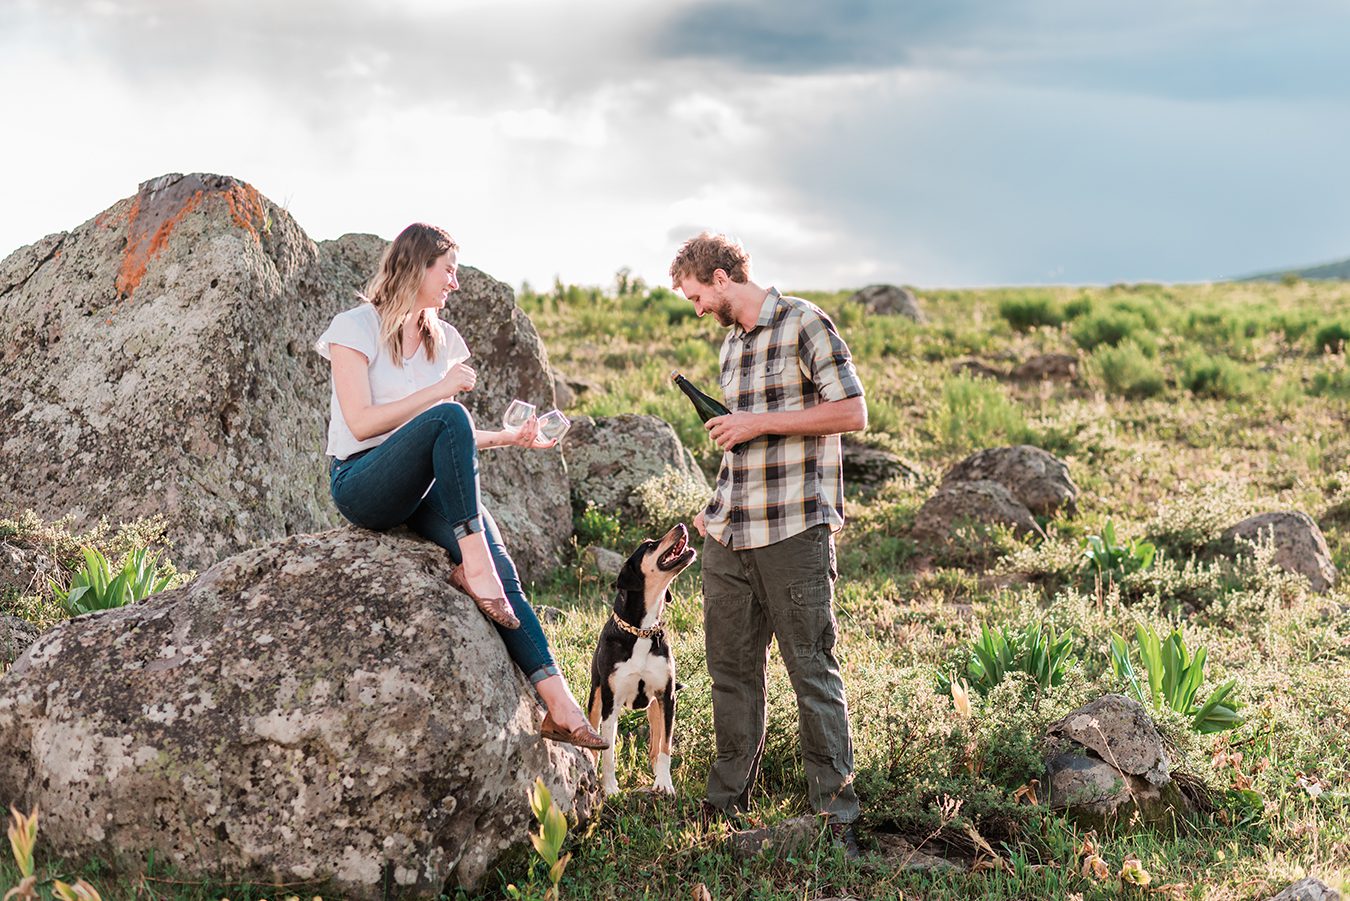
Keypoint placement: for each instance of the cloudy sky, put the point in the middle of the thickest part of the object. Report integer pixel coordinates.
(930, 142)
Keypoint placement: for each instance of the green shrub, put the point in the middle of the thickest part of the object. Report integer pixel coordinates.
(1173, 679)
(976, 413)
(1330, 383)
(669, 498)
(1033, 650)
(1332, 338)
(1078, 307)
(595, 526)
(1219, 377)
(97, 587)
(1027, 313)
(1109, 561)
(1127, 371)
(1111, 328)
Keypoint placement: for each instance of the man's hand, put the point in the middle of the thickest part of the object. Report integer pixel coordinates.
(730, 430)
(701, 524)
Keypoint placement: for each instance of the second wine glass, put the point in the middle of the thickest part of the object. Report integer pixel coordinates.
(516, 415)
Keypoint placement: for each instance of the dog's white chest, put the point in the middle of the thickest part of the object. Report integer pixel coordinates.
(645, 668)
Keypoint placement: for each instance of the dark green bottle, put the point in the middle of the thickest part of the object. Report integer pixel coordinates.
(706, 407)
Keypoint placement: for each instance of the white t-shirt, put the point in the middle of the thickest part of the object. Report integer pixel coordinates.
(359, 329)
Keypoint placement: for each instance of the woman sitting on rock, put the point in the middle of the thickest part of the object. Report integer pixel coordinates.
(404, 453)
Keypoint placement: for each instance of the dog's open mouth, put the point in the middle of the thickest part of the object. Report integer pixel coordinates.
(680, 553)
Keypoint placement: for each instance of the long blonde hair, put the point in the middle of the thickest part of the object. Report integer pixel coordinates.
(393, 290)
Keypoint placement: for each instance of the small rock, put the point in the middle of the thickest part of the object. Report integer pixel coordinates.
(1048, 368)
(1300, 546)
(780, 840)
(977, 369)
(872, 466)
(1309, 889)
(16, 635)
(985, 502)
(602, 561)
(563, 395)
(1120, 730)
(890, 300)
(1039, 480)
(549, 614)
(899, 852)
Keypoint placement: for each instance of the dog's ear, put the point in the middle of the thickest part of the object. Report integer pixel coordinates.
(630, 577)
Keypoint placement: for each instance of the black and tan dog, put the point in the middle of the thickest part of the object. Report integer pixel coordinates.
(633, 666)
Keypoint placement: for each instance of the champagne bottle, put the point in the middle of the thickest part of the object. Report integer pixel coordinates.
(706, 407)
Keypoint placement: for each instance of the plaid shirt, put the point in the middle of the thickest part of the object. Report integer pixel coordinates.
(781, 485)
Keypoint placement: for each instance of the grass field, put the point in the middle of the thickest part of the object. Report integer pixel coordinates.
(1198, 406)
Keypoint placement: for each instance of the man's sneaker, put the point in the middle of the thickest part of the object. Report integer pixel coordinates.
(845, 835)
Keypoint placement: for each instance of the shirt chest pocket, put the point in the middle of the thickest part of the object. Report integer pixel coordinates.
(773, 388)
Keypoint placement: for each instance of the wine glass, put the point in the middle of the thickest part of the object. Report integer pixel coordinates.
(516, 415)
(552, 426)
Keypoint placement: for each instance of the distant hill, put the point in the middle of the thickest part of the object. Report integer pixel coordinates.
(1338, 269)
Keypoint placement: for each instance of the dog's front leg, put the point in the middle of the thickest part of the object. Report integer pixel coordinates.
(660, 727)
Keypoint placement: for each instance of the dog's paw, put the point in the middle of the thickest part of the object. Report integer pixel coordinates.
(610, 788)
(663, 787)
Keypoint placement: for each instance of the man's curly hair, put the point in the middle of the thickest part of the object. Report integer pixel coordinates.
(700, 256)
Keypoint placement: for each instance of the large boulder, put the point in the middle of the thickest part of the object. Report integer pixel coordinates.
(323, 708)
(890, 300)
(610, 456)
(1299, 544)
(871, 467)
(158, 360)
(1039, 480)
(1106, 762)
(983, 502)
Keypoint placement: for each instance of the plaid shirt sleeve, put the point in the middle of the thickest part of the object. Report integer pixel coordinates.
(825, 356)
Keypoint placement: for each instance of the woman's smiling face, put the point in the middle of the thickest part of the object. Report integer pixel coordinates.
(438, 281)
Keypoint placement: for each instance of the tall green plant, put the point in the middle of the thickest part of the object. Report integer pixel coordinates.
(1173, 678)
(1109, 560)
(97, 587)
(1033, 650)
(548, 842)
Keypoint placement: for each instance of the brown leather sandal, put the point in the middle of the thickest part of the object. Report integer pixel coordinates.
(496, 609)
(583, 736)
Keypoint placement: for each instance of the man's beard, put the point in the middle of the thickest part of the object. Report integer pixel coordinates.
(722, 313)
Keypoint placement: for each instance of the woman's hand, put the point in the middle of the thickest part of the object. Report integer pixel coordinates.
(461, 377)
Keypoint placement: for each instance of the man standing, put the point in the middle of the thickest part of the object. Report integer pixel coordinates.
(769, 569)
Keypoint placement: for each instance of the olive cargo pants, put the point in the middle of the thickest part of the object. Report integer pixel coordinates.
(784, 590)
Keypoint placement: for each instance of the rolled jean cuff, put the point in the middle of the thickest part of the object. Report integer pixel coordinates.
(544, 672)
(468, 527)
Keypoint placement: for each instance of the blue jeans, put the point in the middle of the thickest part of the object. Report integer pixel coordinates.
(425, 476)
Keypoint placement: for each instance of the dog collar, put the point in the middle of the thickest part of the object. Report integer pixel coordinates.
(640, 633)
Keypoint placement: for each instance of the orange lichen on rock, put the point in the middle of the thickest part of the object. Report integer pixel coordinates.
(147, 234)
(246, 208)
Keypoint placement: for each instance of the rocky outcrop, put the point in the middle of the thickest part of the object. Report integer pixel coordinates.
(158, 360)
(1039, 480)
(1047, 368)
(1299, 544)
(1309, 889)
(980, 503)
(320, 709)
(609, 457)
(890, 300)
(1106, 762)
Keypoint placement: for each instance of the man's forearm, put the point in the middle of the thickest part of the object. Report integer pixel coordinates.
(831, 418)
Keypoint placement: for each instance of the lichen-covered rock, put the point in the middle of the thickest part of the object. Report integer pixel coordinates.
(602, 561)
(890, 300)
(1299, 544)
(980, 502)
(1308, 889)
(24, 569)
(1047, 368)
(870, 467)
(1038, 479)
(977, 369)
(16, 634)
(158, 360)
(322, 708)
(610, 456)
(1118, 729)
(1106, 763)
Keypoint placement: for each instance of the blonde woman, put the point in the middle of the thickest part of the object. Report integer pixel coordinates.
(405, 453)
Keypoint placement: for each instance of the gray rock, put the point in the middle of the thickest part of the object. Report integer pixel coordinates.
(977, 369)
(1106, 764)
(871, 467)
(607, 458)
(323, 708)
(549, 614)
(780, 840)
(25, 570)
(1309, 889)
(602, 561)
(1048, 368)
(158, 360)
(890, 300)
(563, 395)
(900, 852)
(979, 502)
(1300, 546)
(1119, 730)
(16, 634)
(1039, 480)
